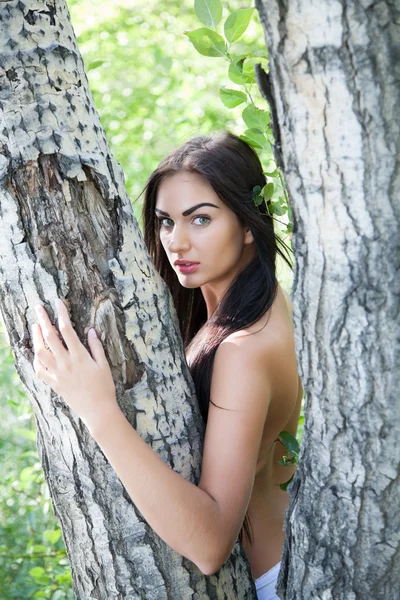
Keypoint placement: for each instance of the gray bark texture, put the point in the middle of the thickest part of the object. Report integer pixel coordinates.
(67, 229)
(334, 86)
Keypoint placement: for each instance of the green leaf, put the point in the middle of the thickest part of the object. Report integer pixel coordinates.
(255, 138)
(284, 486)
(277, 208)
(238, 58)
(27, 474)
(286, 461)
(43, 580)
(248, 72)
(209, 12)
(255, 118)
(64, 577)
(237, 23)
(257, 195)
(268, 191)
(95, 64)
(251, 142)
(37, 571)
(274, 173)
(207, 42)
(52, 536)
(241, 70)
(235, 73)
(290, 442)
(38, 549)
(232, 98)
(249, 65)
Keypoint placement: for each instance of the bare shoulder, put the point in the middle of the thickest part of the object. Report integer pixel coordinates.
(247, 346)
(263, 352)
(251, 347)
(269, 336)
(241, 363)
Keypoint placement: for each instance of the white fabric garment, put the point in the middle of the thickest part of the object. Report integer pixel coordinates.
(266, 584)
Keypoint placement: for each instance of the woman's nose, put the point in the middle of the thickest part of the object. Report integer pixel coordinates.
(179, 241)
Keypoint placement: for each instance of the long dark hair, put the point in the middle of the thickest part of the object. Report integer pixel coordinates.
(233, 169)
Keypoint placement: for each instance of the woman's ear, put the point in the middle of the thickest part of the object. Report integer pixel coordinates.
(248, 236)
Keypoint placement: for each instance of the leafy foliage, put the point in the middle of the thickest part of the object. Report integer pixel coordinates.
(241, 61)
(33, 562)
(292, 458)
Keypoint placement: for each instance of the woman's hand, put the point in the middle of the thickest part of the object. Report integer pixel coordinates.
(85, 383)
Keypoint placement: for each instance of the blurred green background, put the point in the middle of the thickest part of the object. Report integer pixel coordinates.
(153, 91)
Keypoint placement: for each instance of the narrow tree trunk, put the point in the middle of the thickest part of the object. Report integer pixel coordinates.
(67, 229)
(335, 87)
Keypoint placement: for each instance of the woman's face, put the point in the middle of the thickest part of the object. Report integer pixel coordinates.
(200, 232)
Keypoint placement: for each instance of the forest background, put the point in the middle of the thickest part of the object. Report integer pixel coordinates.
(153, 91)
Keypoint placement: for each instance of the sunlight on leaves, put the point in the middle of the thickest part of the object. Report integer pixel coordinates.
(207, 42)
(209, 12)
(237, 23)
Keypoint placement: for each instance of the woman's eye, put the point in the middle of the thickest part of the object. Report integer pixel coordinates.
(201, 220)
(166, 222)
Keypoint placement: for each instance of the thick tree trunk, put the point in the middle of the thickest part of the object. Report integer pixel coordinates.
(67, 229)
(335, 86)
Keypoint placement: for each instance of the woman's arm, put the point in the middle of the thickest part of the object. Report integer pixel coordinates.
(183, 515)
(200, 522)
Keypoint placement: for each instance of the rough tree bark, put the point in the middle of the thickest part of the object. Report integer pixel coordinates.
(67, 229)
(334, 85)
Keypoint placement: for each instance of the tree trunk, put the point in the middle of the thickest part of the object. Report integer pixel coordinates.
(67, 229)
(334, 83)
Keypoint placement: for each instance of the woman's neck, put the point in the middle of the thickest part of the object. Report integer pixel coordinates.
(214, 291)
(212, 298)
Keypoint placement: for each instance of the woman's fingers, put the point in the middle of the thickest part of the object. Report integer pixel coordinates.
(44, 363)
(96, 348)
(49, 333)
(43, 374)
(67, 331)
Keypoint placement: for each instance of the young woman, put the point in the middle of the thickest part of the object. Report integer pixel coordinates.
(216, 250)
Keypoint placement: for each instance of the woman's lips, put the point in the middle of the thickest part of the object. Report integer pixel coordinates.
(186, 269)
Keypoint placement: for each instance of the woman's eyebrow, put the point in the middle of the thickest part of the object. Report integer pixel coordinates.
(189, 211)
